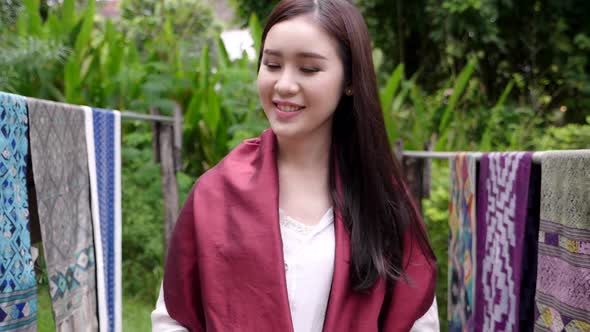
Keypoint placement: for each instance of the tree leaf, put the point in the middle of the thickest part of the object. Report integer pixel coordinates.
(256, 32)
(458, 89)
(83, 38)
(212, 111)
(34, 22)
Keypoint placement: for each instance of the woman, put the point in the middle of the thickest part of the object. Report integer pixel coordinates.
(308, 227)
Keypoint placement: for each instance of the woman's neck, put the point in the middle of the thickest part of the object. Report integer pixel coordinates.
(303, 169)
(311, 153)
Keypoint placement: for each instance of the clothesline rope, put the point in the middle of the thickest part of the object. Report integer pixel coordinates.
(537, 156)
(146, 117)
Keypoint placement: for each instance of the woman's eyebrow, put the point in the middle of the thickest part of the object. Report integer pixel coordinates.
(298, 54)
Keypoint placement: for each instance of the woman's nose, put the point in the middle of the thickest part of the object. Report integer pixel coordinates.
(286, 84)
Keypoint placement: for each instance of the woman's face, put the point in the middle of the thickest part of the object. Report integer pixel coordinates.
(301, 78)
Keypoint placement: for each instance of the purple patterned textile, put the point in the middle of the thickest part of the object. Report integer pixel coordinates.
(501, 216)
(563, 279)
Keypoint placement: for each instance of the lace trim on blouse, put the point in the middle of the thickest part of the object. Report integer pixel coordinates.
(299, 227)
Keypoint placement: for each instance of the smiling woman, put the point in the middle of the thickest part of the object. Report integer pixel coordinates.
(310, 226)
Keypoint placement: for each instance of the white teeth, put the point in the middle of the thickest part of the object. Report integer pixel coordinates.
(286, 108)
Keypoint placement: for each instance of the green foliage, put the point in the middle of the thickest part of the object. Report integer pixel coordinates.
(28, 57)
(458, 89)
(386, 96)
(415, 117)
(544, 43)
(245, 8)
(136, 315)
(436, 216)
(143, 239)
(9, 11)
(256, 32)
(143, 230)
(190, 31)
(571, 136)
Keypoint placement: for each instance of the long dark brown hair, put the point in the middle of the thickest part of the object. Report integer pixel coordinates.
(371, 195)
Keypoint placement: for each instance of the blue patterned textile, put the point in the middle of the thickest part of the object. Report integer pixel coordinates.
(18, 292)
(106, 148)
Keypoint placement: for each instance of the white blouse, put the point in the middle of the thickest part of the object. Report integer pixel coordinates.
(309, 265)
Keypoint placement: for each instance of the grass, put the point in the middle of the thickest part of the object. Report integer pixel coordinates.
(45, 321)
(136, 314)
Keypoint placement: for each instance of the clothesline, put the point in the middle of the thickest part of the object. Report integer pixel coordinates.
(146, 117)
(537, 156)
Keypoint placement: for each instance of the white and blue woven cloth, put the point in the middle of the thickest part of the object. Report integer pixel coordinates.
(103, 128)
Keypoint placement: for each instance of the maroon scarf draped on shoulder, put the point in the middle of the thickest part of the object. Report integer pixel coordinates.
(225, 268)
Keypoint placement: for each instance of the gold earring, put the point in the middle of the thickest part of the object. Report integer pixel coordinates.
(348, 92)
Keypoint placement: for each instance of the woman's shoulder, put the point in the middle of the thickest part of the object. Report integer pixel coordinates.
(240, 163)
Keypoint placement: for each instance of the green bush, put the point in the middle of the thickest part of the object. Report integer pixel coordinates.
(436, 216)
(143, 214)
(571, 136)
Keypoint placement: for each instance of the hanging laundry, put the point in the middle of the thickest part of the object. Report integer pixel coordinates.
(18, 292)
(501, 215)
(563, 275)
(462, 234)
(60, 171)
(103, 133)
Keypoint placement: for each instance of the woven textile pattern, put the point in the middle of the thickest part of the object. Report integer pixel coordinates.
(18, 293)
(60, 169)
(563, 278)
(105, 154)
(462, 242)
(501, 215)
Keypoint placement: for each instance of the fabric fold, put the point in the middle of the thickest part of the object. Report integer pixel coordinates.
(18, 291)
(61, 181)
(462, 233)
(563, 271)
(501, 216)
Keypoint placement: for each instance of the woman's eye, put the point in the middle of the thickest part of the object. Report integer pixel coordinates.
(272, 66)
(309, 70)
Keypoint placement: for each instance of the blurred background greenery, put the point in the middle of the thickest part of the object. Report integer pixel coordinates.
(476, 75)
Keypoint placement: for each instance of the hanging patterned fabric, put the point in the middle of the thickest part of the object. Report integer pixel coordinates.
(501, 216)
(60, 171)
(563, 274)
(18, 292)
(103, 132)
(462, 234)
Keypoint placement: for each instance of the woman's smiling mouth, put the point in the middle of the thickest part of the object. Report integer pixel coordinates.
(287, 110)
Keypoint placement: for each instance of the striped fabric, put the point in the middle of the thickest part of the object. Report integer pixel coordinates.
(103, 130)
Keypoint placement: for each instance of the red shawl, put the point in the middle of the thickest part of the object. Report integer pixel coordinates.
(225, 269)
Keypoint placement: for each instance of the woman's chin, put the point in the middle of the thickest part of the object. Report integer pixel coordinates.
(286, 130)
